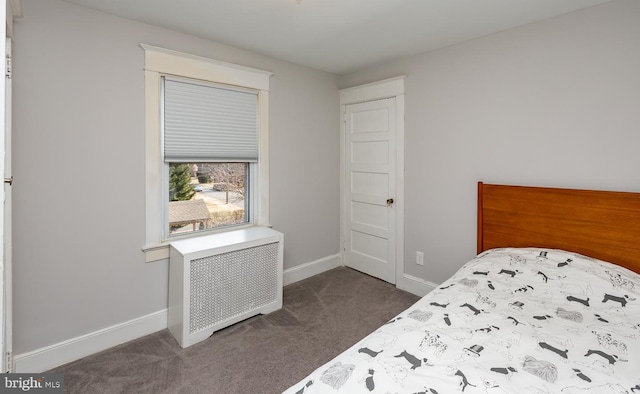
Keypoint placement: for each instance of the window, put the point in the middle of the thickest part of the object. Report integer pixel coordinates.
(206, 128)
(204, 196)
(211, 147)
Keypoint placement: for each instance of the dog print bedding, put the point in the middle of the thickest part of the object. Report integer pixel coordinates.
(525, 321)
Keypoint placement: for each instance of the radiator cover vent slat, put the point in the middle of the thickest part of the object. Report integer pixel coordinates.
(227, 285)
(218, 280)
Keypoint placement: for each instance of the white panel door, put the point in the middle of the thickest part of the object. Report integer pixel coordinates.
(5, 264)
(370, 187)
(6, 235)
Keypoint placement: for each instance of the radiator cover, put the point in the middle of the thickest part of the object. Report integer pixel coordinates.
(221, 279)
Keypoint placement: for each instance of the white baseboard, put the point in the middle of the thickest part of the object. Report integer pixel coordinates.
(414, 285)
(307, 270)
(52, 356)
(64, 352)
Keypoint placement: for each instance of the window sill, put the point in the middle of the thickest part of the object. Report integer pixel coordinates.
(156, 252)
(160, 251)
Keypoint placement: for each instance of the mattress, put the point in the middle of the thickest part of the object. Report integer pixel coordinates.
(509, 321)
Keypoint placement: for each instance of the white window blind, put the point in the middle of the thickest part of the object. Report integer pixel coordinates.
(205, 123)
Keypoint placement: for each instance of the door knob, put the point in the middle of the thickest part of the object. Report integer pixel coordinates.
(389, 201)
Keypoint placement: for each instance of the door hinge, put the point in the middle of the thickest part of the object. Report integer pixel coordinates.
(7, 70)
(9, 362)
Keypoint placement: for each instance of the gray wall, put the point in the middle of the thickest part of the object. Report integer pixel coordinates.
(556, 103)
(79, 168)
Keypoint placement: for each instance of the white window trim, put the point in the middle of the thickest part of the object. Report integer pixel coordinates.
(160, 62)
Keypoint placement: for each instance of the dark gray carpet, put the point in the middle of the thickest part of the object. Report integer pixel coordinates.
(321, 316)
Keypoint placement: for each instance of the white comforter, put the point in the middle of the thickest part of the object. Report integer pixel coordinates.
(509, 321)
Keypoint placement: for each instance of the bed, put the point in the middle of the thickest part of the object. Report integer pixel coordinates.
(551, 304)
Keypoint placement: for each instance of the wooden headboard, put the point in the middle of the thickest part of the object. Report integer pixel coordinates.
(600, 224)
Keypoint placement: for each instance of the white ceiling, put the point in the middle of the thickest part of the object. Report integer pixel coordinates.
(338, 36)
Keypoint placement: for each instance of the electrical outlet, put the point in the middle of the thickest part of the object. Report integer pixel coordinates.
(419, 258)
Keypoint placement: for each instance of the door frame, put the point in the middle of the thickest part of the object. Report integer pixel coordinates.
(12, 9)
(387, 88)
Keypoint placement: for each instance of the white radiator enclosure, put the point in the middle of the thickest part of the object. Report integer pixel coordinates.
(220, 279)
